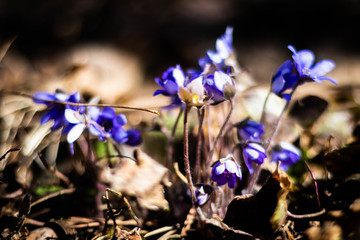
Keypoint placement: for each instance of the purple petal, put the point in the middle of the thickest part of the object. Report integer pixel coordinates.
(323, 67)
(278, 85)
(108, 113)
(219, 168)
(44, 96)
(157, 92)
(119, 135)
(171, 87)
(120, 120)
(328, 79)
(222, 180)
(134, 137)
(291, 48)
(75, 132)
(306, 58)
(232, 181)
(202, 198)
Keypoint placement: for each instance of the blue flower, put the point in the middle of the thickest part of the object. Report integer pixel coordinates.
(226, 171)
(248, 130)
(134, 137)
(77, 124)
(171, 80)
(224, 49)
(202, 193)
(215, 85)
(285, 78)
(253, 153)
(304, 60)
(111, 125)
(56, 111)
(286, 153)
(299, 70)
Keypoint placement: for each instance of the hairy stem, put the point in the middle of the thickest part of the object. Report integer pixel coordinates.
(262, 118)
(171, 139)
(257, 168)
(220, 134)
(315, 183)
(201, 113)
(186, 156)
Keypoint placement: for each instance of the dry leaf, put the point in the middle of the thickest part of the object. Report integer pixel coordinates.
(144, 180)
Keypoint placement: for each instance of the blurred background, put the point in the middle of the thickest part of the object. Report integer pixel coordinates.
(142, 38)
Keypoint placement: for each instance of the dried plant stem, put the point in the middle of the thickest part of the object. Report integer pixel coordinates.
(309, 215)
(220, 134)
(78, 104)
(257, 168)
(315, 183)
(186, 156)
(55, 172)
(121, 196)
(52, 195)
(171, 140)
(7, 152)
(201, 114)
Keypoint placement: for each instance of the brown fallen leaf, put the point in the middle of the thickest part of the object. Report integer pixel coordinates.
(263, 213)
(144, 180)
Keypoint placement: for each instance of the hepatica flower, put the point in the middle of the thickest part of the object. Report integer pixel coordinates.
(299, 70)
(202, 193)
(56, 111)
(108, 124)
(224, 49)
(194, 93)
(248, 130)
(286, 153)
(226, 171)
(253, 153)
(219, 86)
(171, 80)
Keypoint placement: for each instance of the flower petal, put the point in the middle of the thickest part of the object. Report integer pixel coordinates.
(75, 132)
(221, 79)
(70, 116)
(222, 179)
(232, 181)
(119, 135)
(323, 67)
(230, 166)
(171, 87)
(38, 97)
(179, 76)
(108, 113)
(306, 58)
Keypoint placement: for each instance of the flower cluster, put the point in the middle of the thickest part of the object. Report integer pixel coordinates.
(299, 70)
(74, 120)
(209, 84)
